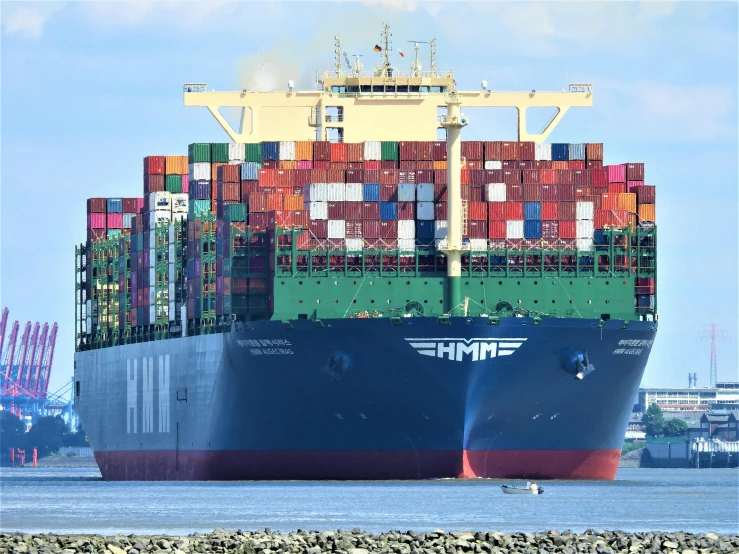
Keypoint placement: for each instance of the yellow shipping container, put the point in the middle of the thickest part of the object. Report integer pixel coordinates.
(175, 165)
(627, 201)
(439, 165)
(647, 212)
(304, 150)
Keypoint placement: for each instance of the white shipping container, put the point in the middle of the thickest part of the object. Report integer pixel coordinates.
(336, 192)
(440, 243)
(127, 220)
(152, 313)
(180, 216)
(287, 149)
(160, 201)
(425, 192)
(170, 234)
(496, 192)
(152, 295)
(354, 245)
(478, 244)
(152, 276)
(585, 228)
(179, 203)
(584, 210)
(318, 192)
(354, 192)
(440, 229)
(172, 311)
(407, 245)
(159, 217)
(372, 150)
(425, 211)
(171, 260)
(514, 229)
(171, 288)
(406, 229)
(493, 164)
(336, 228)
(585, 244)
(199, 171)
(543, 151)
(152, 242)
(319, 210)
(236, 152)
(406, 192)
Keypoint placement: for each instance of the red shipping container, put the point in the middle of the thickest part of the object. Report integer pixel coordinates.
(97, 205)
(596, 199)
(550, 230)
(594, 164)
(511, 164)
(548, 176)
(631, 184)
(214, 190)
(355, 152)
(440, 209)
(440, 192)
(425, 164)
(338, 152)
(532, 193)
(559, 164)
(372, 164)
(567, 211)
(153, 183)
(408, 164)
(318, 175)
(601, 219)
(496, 211)
(549, 210)
(477, 177)
(550, 193)
(302, 177)
(335, 175)
(514, 193)
(478, 211)
(645, 285)
(440, 176)
(645, 194)
(616, 173)
(635, 172)
(115, 221)
(355, 166)
(274, 202)
(493, 176)
(530, 176)
(439, 151)
(477, 229)
(476, 194)
(321, 151)
(565, 176)
(407, 176)
(406, 210)
(594, 151)
(581, 177)
(619, 218)
(527, 164)
(267, 177)
(581, 191)
(616, 188)
(389, 177)
(542, 164)
(609, 201)
(576, 164)
(321, 165)
(425, 176)
(336, 210)
(319, 228)
(425, 150)
(388, 164)
(510, 150)
(229, 173)
(354, 176)
(268, 190)
(269, 164)
(371, 176)
(354, 229)
(249, 186)
(353, 210)
(472, 149)
(465, 177)
(407, 150)
(568, 229)
(526, 150)
(371, 229)
(370, 210)
(598, 177)
(497, 229)
(154, 165)
(229, 191)
(493, 150)
(388, 229)
(130, 205)
(466, 192)
(389, 192)
(513, 211)
(511, 176)
(281, 218)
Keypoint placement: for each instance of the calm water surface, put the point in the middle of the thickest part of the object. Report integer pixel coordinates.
(78, 501)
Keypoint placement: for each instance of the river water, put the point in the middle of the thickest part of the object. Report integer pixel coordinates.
(79, 501)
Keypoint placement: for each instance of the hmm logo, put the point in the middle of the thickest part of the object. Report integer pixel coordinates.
(465, 349)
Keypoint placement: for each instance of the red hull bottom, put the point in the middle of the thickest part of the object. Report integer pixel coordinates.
(160, 465)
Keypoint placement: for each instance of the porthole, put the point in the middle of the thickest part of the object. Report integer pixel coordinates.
(425, 282)
(572, 301)
(336, 282)
(425, 301)
(389, 282)
(318, 282)
(590, 301)
(354, 301)
(482, 301)
(536, 301)
(407, 282)
(482, 282)
(572, 282)
(608, 301)
(354, 282)
(389, 301)
(441, 301)
(300, 282)
(624, 282)
(519, 301)
(466, 282)
(518, 282)
(372, 282)
(300, 301)
(318, 301)
(282, 282)
(336, 301)
(608, 283)
(554, 301)
(536, 282)
(372, 301)
(500, 282)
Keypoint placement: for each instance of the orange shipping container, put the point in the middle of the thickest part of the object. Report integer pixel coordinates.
(609, 201)
(439, 165)
(647, 212)
(214, 170)
(274, 202)
(176, 165)
(627, 201)
(293, 201)
(465, 176)
(594, 151)
(560, 165)
(548, 176)
(355, 152)
(338, 152)
(287, 164)
(510, 151)
(304, 150)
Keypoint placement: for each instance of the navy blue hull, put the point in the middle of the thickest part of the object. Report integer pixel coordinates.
(369, 399)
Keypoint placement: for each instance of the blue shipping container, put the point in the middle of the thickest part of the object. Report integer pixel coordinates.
(406, 192)
(560, 152)
(532, 229)
(532, 210)
(371, 192)
(388, 211)
(645, 300)
(250, 171)
(200, 190)
(599, 237)
(270, 151)
(425, 230)
(577, 151)
(115, 205)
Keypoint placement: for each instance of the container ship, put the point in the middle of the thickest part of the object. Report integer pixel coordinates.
(341, 293)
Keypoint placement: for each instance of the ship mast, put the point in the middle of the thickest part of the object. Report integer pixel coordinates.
(386, 69)
(337, 52)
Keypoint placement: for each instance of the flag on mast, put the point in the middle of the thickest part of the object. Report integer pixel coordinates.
(401, 54)
(377, 48)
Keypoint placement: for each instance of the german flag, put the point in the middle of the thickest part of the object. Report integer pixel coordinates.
(377, 48)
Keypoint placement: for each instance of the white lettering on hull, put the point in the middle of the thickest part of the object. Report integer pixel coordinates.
(458, 350)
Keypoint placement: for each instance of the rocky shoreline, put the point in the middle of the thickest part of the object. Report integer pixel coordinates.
(393, 542)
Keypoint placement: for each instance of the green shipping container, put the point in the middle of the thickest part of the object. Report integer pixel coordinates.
(219, 152)
(254, 152)
(114, 234)
(173, 183)
(198, 152)
(234, 212)
(389, 151)
(199, 208)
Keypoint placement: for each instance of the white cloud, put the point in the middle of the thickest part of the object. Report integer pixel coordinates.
(28, 19)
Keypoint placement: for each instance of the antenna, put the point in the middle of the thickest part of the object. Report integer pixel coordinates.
(432, 52)
(337, 51)
(416, 69)
(713, 334)
(386, 38)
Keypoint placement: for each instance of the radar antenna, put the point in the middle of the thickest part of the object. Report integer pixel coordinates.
(337, 52)
(416, 69)
(356, 69)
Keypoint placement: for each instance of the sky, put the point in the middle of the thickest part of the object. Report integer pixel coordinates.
(90, 88)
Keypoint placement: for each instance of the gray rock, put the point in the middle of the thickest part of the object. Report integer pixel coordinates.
(115, 549)
(670, 544)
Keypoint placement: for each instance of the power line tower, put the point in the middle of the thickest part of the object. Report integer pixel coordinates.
(714, 334)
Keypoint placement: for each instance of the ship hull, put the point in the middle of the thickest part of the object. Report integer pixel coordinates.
(366, 399)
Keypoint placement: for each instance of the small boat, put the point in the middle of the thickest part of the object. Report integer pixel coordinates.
(511, 489)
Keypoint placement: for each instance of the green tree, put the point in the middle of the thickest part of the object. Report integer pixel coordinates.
(76, 439)
(674, 428)
(12, 431)
(47, 434)
(654, 421)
